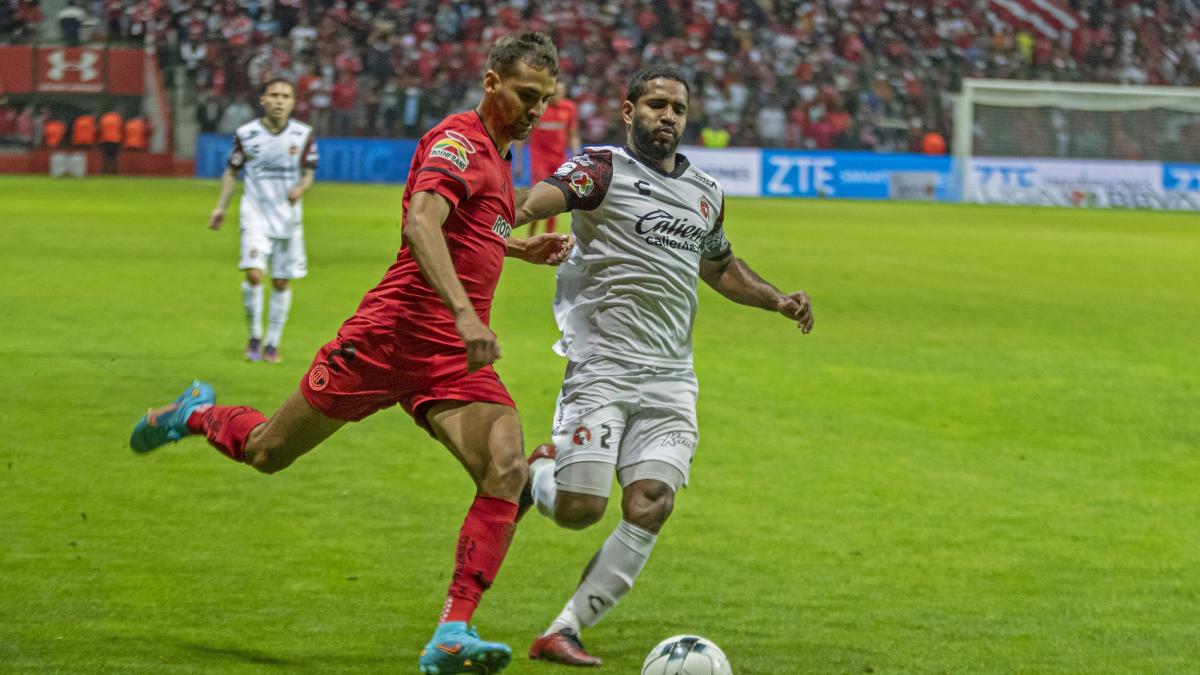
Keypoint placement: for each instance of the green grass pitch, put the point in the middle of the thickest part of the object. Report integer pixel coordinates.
(983, 460)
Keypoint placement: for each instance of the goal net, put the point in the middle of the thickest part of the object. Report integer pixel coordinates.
(1060, 143)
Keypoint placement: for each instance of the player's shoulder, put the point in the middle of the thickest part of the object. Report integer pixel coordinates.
(299, 128)
(250, 129)
(459, 125)
(694, 174)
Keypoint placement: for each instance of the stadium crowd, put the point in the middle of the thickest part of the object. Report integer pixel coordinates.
(854, 74)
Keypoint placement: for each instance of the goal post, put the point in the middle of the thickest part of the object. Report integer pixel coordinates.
(1077, 144)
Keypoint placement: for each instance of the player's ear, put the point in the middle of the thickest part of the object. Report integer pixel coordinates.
(491, 81)
(627, 111)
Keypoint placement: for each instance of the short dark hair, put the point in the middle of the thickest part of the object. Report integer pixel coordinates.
(638, 81)
(536, 49)
(276, 80)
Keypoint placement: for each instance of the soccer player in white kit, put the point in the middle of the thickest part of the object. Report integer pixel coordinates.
(647, 225)
(278, 156)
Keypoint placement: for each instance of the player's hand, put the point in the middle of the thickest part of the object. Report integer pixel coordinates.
(548, 248)
(294, 195)
(798, 308)
(215, 220)
(482, 347)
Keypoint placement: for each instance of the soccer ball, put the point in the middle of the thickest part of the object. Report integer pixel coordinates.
(686, 655)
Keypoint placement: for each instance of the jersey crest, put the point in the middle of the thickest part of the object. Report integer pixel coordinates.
(454, 148)
(582, 183)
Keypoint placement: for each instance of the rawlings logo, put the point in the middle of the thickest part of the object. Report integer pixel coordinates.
(455, 149)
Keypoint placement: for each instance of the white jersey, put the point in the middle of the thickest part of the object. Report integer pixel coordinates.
(628, 289)
(272, 164)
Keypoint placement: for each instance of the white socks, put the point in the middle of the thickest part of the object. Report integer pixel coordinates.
(612, 574)
(281, 302)
(544, 487)
(252, 300)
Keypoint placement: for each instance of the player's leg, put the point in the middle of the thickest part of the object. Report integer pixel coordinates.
(288, 261)
(253, 262)
(656, 449)
(486, 438)
(238, 432)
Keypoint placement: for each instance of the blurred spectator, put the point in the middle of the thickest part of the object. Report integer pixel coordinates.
(844, 73)
(137, 133)
(70, 22)
(237, 113)
(208, 113)
(55, 132)
(83, 130)
(111, 128)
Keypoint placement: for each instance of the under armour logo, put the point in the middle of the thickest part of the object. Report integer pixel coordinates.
(85, 66)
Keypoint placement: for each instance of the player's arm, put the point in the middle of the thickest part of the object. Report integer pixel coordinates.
(539, 202)
(422, 233)
(730, 276)
(542, 249)
(306, 180)
(228, 185)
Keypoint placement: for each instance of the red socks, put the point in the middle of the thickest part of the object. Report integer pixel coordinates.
(227, 428)
(482, 543)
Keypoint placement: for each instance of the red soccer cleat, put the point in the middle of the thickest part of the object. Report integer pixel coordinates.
(562, 647)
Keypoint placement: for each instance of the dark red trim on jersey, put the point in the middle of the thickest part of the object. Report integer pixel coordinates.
(681, 163)
(448, 172)
(237, 152)
(308, 143)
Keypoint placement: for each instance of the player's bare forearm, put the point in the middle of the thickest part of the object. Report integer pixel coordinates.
(541, 249)
(732, 277)
(228, 185)
(540, 202)
(423, 234)
(306, 181)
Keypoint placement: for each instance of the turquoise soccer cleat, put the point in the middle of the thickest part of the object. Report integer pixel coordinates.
(169, 423)
(455, 648)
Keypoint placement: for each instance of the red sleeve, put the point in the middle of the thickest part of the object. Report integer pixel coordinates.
(447, 167)
(584, 179)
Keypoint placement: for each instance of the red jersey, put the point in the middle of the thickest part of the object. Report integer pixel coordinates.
(548, 140)
(458, 160)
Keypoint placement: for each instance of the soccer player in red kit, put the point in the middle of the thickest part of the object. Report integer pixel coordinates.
(420, 339)
(554, 138)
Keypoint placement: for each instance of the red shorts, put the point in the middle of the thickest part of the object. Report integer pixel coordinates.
(369, 367)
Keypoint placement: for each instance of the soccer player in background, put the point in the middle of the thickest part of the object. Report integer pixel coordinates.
(647, 224)
(556, 135)
(278, 157)
(420, 339)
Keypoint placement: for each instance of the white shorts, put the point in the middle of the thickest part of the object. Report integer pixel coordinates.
(624, 415)
(281, 258)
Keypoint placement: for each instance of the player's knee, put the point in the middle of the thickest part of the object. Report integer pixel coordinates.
(279, 284)
(254, 276)
(269, 462)
(576, 512)
(650, 508)
(507, 477)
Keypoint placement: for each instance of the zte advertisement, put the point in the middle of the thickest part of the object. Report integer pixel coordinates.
(1106, 184)
(856, 175)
